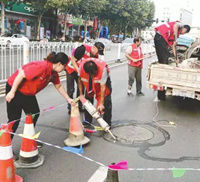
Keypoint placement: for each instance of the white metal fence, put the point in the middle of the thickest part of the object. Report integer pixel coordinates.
(14, 56)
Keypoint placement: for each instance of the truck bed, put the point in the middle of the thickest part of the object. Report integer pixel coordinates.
(180, 81)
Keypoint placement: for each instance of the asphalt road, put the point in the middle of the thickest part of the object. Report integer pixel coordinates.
(171, 146)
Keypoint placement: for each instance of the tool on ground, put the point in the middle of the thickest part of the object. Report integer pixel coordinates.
(95, 114)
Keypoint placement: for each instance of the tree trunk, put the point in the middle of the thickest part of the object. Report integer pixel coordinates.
(99, 32)
(85, 29)
(38, 26)
(79, 27)
(2, 18)
(65, 26)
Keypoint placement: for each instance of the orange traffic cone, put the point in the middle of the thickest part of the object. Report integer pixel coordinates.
(29, 156)
(7, 170)
(76, 136)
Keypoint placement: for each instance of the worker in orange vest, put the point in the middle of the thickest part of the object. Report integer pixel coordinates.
(135, 63)
(94, 76)
(83, 51)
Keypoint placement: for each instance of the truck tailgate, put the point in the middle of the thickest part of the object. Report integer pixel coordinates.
(173, 77)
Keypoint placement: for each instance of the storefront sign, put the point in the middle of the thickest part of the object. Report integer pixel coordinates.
(20, 7)
(77, 21)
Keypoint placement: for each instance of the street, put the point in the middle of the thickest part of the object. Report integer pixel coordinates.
(159, 144)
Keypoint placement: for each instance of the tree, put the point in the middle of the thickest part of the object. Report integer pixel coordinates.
(90, 8)
(41, 6)
(66, 7)
(3, 3)
(126, 15)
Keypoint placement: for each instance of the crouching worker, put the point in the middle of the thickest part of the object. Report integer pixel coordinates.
(94, 76)
(25, 83)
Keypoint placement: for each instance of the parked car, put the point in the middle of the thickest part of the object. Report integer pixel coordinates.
(14, 39)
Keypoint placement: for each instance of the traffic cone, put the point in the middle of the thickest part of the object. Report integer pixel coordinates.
(7, 170)
(76, 136)
(29, 156)
(112, 175)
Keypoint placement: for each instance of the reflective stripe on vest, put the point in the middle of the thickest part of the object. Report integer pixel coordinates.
(84, 80)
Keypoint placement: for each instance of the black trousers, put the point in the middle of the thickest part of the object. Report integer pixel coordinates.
(107, 104)
(162, 50)
(71, 79)
(21, 102)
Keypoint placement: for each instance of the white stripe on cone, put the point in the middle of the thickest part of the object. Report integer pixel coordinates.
(29, 154)
(29, 130)
(6, 153)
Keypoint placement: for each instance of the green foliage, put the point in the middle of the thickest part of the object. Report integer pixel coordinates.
(128, 14)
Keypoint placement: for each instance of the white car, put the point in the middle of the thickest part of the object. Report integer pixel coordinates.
(14, 39)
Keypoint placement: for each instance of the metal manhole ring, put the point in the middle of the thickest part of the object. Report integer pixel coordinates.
(129, 134)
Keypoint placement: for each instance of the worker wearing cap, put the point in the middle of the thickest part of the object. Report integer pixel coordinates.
(135, 62)
(83, 51)
(165, 37)
(94, 76)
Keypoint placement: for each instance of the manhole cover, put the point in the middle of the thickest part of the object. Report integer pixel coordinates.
(129, 134)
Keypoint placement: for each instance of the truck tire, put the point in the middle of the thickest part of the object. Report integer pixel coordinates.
(194, 48)
(161, 95)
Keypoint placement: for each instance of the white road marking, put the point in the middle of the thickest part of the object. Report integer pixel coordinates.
(99, 175)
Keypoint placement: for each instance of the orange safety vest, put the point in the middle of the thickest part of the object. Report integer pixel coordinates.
(167, 32)
(96, 86)
(136, 54)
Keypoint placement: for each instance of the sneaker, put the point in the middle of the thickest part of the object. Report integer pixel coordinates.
(129, 92)
(39, 144)
(140, 94)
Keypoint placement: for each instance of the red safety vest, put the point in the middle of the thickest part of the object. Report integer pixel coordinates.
(87, 51)
(167, 32)
(96, 86)
(69, 67)
(38, 74)
(136, 54)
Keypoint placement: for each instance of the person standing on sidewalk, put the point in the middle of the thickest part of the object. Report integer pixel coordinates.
(165, 37)
(135, 63)
(83, 51)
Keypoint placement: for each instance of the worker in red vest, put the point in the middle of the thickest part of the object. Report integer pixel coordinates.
(94, 76)
(83, 51)
(166, 36)
(135, 63)
(25, 83)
